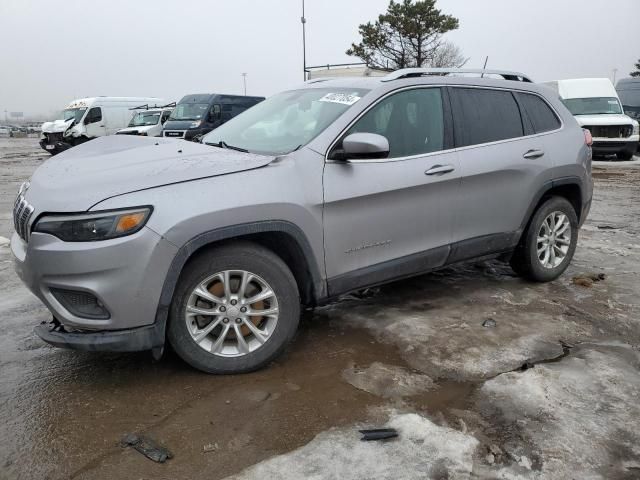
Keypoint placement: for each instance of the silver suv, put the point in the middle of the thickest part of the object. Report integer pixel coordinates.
(315, 192)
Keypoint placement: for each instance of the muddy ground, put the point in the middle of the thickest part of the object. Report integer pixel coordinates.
(413, 355)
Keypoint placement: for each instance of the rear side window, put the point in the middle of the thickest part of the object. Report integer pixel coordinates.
(542, 117)
(485, 116)
(411, 120)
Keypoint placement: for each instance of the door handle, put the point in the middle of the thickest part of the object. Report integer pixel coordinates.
(440, 170)
(533, 154)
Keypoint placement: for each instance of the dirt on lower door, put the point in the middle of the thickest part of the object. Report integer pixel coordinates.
(481, 373)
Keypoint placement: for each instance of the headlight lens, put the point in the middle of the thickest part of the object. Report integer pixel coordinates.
(636, 129)
(196, 124)
(94, 226)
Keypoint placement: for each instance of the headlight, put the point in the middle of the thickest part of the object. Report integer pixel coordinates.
(195, 124)
(94, 226)
(636, 129)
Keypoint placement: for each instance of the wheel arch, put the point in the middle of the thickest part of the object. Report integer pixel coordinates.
(284, 238)
(567, 187)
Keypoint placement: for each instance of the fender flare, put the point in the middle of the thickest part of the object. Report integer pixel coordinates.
(224, 233)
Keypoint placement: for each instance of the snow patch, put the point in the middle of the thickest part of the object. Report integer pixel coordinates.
(423, 450)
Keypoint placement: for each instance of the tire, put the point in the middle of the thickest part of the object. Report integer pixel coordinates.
(625, 155)
(233, 355)
(525, 260)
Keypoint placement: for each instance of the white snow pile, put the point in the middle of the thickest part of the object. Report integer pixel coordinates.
(581, 416)
(423, 450)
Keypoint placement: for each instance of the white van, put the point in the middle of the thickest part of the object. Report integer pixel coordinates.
(88, 118)
(147, 122)
(595, 104)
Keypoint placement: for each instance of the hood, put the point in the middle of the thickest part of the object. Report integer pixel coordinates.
(57, 126)
(604, 120)
(144, 128)
(82, 176)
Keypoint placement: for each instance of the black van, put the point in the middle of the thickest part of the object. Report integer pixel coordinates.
(200, 113)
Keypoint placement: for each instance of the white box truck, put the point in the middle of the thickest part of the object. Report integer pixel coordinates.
(595, 105)
(88, 118)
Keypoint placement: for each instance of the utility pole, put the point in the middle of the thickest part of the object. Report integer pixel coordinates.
(615, 74)
(304, 44)
(244, 80)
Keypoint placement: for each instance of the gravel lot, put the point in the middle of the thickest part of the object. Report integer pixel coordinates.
(413, 355)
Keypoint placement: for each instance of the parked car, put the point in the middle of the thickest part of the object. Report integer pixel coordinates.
(196, 115)
(629, 92)
(5, 132)
(318, 191)
(88, 118)
(147, 122)
(595, 104)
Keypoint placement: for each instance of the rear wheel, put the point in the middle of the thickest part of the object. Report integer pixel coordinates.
(625, 155)
(235, 309)
(548, 244)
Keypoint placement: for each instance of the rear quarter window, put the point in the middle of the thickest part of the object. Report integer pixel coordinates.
(484, 116)
(542, 117)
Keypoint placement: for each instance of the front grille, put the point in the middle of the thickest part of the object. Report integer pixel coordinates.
(610, 131)
(22, 212)
(53, 137)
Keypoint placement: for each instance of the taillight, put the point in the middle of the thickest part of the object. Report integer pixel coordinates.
(588, 139)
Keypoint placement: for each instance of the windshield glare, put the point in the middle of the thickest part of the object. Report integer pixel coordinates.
(75, 113)
(189, 111)
(286, 121)
(144, 119)
(593, 106)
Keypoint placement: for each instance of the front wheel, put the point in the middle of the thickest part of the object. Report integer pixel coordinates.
(235, 309)
(548, 244)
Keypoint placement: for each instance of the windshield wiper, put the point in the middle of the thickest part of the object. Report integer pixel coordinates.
(223, 144)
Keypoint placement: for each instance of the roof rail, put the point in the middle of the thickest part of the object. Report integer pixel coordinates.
(419, 72)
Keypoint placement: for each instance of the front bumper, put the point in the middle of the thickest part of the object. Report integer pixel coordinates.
(125, 274)
(603, 146)
(130, 340)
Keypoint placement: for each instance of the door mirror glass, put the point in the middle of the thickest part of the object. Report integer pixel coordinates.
(363, 145)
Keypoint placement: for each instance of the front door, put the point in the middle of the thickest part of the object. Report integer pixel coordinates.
(94, 123)
(390, 218)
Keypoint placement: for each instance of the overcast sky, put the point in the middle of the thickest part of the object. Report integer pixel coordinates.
(54, 51)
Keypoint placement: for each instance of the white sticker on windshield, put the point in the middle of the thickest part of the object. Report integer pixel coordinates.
(342, 98)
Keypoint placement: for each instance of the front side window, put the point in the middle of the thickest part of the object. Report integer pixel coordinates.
(543, 118)
(484, 116)
(94, 115)
(286, 121)
(593, 106)
(190, 111)
(144, 119)
(412, 121)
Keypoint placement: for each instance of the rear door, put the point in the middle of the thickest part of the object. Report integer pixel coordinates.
(387, 218)
(503, 165)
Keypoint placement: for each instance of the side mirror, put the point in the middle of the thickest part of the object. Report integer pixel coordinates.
(363, 145)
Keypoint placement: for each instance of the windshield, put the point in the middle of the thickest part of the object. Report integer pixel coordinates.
(75, 113)
(189, 111)
(286, 121)
(593, 106)
(143, 119)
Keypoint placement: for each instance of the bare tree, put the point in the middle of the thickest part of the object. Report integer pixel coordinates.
(448, 56)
